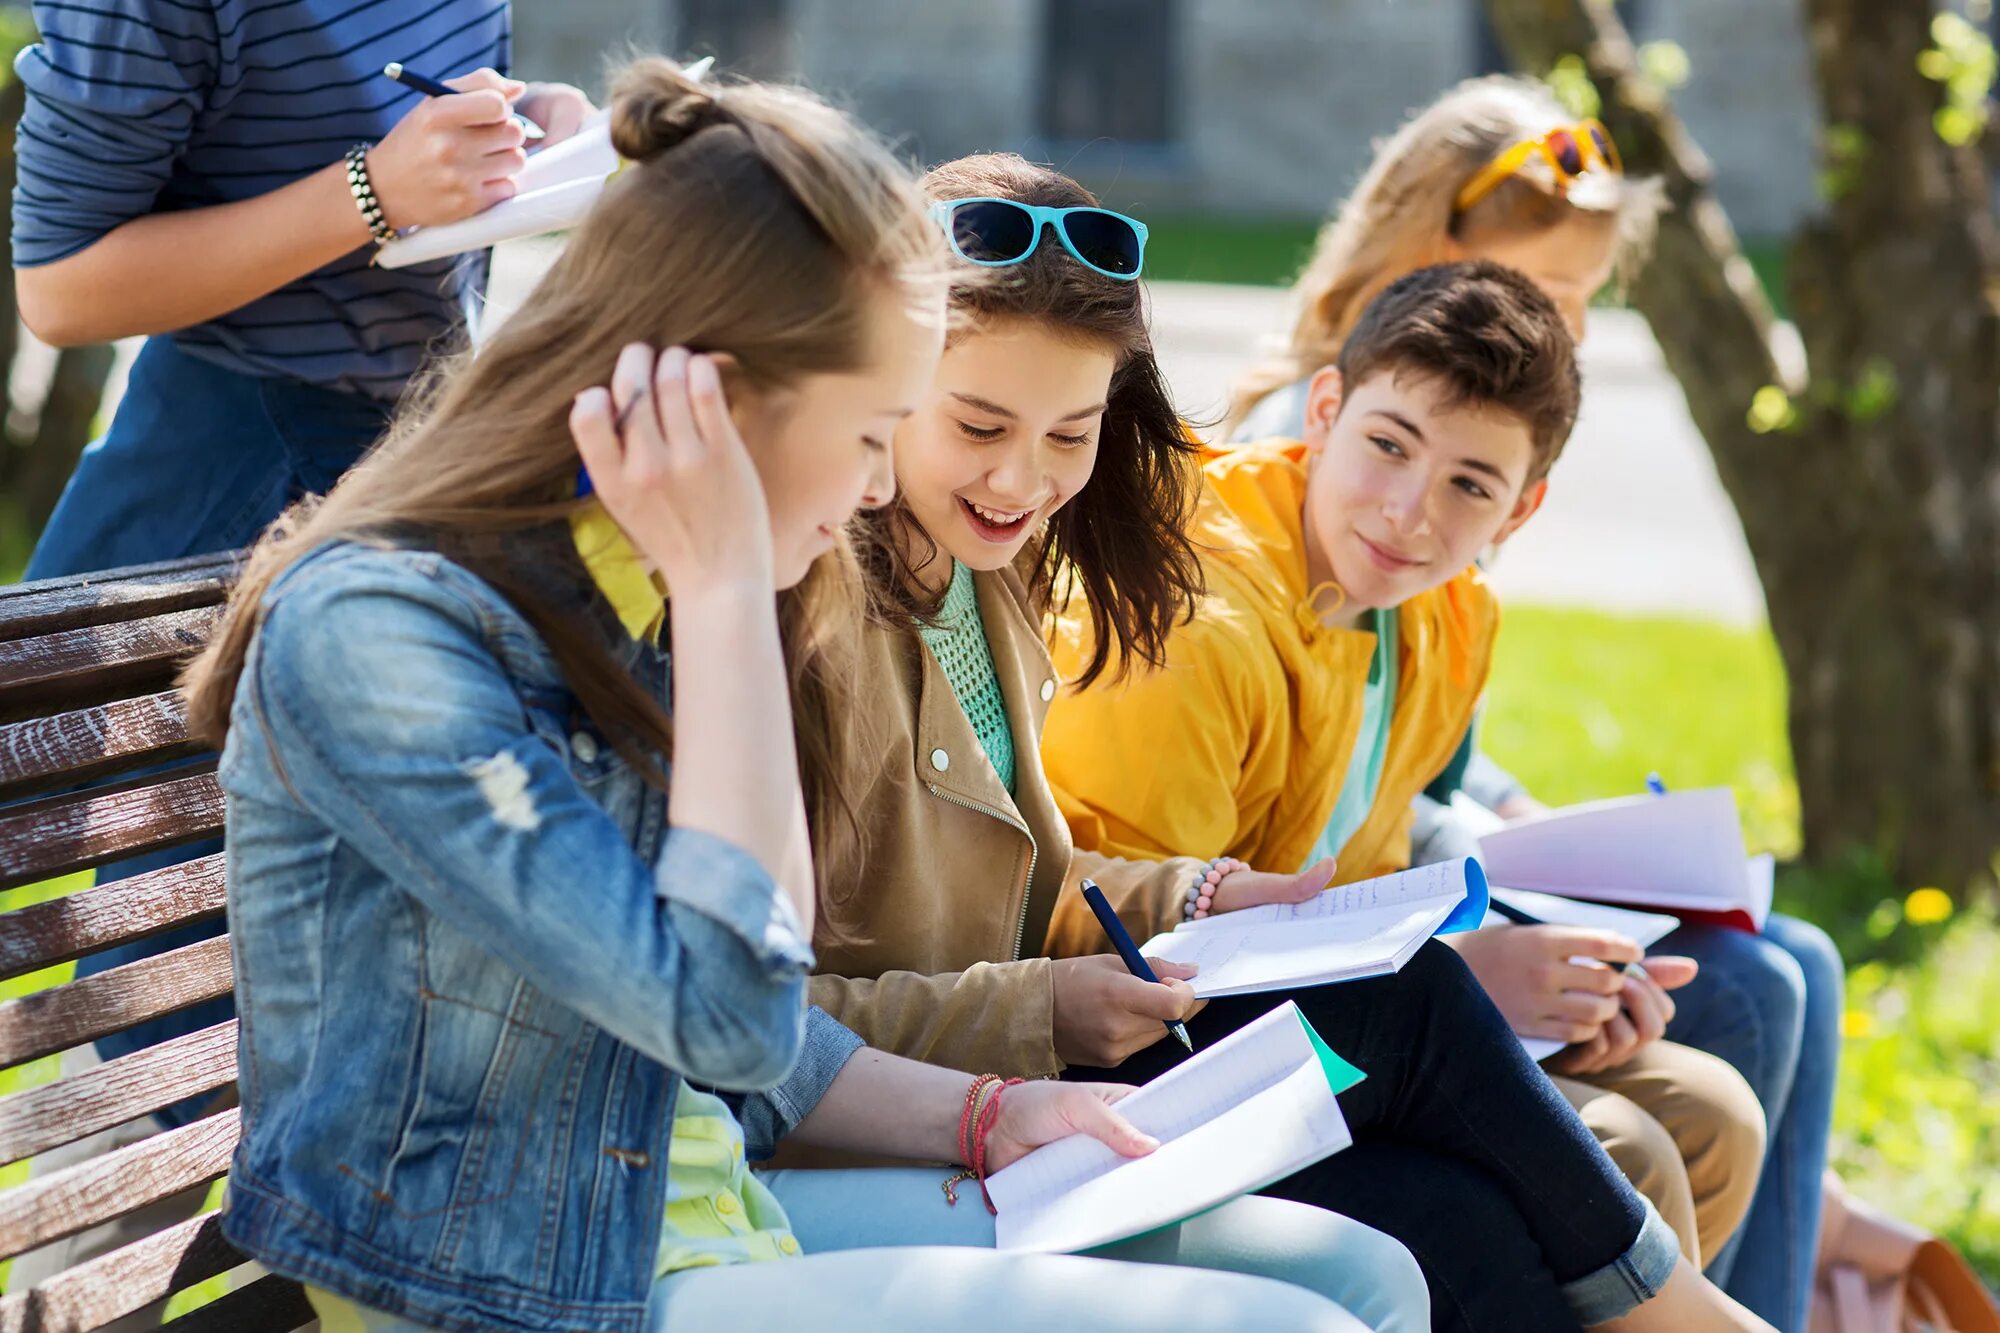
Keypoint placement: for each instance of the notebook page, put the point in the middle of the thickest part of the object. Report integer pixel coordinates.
(1680, 850)
(1217, 1085)
(1444, 881)
(1263, 1139)
(1245, 1062)
(1312, 952)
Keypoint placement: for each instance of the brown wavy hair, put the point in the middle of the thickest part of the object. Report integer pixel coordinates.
(752, 220)
(1121, 542)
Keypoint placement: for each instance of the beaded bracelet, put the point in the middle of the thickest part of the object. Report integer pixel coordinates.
(975, 1122)
(363, 191)
(1201, 894)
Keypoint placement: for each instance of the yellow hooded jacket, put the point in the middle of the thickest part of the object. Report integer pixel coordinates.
(1238, 744)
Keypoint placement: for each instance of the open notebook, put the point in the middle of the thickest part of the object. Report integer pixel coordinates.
(1681, 852)
(1250, 1110)
(552, 192)
(1352, 931)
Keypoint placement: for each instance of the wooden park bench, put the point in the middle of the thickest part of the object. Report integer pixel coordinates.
(87, 714)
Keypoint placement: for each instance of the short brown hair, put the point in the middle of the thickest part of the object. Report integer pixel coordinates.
(1488, 334)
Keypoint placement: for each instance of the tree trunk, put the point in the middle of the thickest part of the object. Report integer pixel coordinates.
(68, 421)
(1873, 508)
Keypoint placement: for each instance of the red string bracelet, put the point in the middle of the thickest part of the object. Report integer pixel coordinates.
(987, 1119)
(965, 1134)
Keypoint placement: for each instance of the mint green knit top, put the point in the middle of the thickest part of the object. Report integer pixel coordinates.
(958, 642)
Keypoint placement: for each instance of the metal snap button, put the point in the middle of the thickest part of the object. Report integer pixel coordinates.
(584, 746)
(940, 760)
(1048, 690)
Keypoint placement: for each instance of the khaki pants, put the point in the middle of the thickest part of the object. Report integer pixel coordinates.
(1687, 1132)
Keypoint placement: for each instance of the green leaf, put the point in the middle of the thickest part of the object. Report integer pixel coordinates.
(1771, 409)
(1666, 64)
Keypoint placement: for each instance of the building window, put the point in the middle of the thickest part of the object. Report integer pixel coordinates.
(1488, 57)
(1109, 68)
(748, 37)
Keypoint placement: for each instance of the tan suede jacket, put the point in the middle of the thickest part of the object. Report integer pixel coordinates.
(965, 892)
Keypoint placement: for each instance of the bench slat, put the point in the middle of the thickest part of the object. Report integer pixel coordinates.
(89, 1007)
(69, 748)
(39, 839)
(65, 1202)
(266, 1305)
(52, 605)
(124, 1281)
(116, 1091)
(56, 931)
(98, 662)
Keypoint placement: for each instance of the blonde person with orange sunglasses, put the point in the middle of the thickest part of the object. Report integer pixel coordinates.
(1497, 169)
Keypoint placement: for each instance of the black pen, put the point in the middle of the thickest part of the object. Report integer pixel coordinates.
(1135, 962)
(429, 87)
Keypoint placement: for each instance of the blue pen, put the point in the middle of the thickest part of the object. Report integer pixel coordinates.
(1654, 785)
(1134, 961)
(429, 87)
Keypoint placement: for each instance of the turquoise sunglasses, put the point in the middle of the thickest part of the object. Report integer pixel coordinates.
(997, 232)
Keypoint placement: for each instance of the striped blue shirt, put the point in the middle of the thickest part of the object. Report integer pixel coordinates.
(143, 106)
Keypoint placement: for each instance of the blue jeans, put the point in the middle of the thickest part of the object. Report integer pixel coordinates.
(1358, 1268)
(198, 459)
(1770, 1005)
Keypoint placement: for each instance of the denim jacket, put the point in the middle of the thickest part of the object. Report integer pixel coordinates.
(473, 961)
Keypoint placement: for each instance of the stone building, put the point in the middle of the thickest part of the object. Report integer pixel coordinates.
(1245, 107)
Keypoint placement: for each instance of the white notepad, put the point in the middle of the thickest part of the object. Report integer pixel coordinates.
(551, 193)
(1646, 928)
(1250, 1110)
(1682, 851)
(1348, 932)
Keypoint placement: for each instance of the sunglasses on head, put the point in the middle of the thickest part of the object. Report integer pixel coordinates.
(998, 232)
(1570, 150)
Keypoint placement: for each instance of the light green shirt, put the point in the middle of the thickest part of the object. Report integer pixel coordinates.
(1371, 744)
(958, 642)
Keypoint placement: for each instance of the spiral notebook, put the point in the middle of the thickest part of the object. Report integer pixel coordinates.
(1244, 1113)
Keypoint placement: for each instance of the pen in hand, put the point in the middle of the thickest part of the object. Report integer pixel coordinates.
(430, 87)
(1135, 962)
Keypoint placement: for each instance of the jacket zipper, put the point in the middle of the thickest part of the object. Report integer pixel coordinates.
(1034, 853)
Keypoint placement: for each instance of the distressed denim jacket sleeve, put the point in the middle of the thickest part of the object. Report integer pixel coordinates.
(395, 722)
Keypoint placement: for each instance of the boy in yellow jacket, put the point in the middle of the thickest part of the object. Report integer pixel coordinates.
(1337, 656)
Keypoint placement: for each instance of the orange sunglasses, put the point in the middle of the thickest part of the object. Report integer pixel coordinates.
(1570, 150)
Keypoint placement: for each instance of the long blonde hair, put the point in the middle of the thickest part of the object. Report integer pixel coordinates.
(751, 220)
(1400, 217)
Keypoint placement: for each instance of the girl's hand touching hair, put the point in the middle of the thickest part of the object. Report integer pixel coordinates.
(665, 460)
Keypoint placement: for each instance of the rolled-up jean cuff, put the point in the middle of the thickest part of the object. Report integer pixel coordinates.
(1630, 1280)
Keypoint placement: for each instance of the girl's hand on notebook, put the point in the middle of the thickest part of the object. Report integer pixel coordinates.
(1039, 1112)
(1104, 1014)
(666, 462)
(1256, 888)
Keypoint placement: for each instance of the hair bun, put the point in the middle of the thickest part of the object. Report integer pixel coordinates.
(655, 107)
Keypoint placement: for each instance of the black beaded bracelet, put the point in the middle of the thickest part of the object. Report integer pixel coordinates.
(363, 191)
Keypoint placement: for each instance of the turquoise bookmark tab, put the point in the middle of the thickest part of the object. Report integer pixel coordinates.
(1340, 1075)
